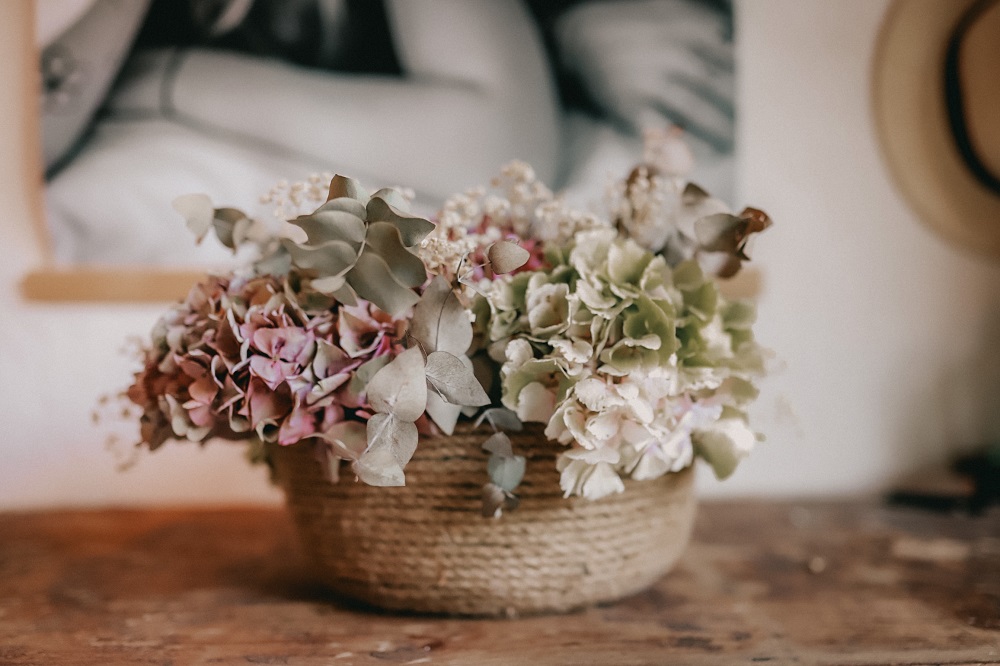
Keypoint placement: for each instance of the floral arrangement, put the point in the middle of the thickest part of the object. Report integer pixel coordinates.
(359, 327)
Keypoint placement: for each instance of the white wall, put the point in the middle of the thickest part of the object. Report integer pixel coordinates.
(879, 326)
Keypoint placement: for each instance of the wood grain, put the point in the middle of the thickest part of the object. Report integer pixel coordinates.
(775, 583)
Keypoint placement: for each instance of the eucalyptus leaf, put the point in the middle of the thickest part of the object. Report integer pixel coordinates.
(345, 295)
(346, 439)
(329, 285)
(383, 239)
(395, 435)
(412, 229)
(506, 471)
(506, 256)
(440, 322)
(380, 468)
(330, 225)
(277, 262)
(468, 278)
(501, 418)
(373, 281)
(249, 230)
(391, 196)
(364, 373)
(345, 205)
(330, 258)
(499, 445)
(496, 500)
(228, 223)
(342, 186)
(400, 388)
(391, 443)
(444, 414)
(198, 213)
(454, 380)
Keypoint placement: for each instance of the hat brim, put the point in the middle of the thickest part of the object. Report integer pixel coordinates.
(911, 119)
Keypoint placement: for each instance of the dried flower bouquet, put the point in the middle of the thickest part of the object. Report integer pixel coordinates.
(359, 328)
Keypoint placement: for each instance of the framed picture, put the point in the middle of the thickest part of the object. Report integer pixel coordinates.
(144, 100)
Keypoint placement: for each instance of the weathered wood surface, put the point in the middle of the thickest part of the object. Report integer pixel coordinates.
(776, 583)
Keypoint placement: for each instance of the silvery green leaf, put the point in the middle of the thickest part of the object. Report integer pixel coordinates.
(496, 499)
(400, 388)
(380, 468)
(330, 258)
(454, 379)
(391, 196)
(342, 186)
(383, 239)
(250, 230)
(468, 278)
(330, 225)
(345, 295)
(440, 322)
(444, 414)
(364, 373)
(502, 418)
(329, 285)
(499, 445)
(397, 436)
(345, 205)
(391, 444)
(348, 439)
(277, 262)
(412, 229)
(228, 224)
(506, 256)
(198, 213)
(506, 471)
(372, 280)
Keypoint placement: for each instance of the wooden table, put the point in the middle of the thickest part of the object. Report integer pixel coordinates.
(778, 583)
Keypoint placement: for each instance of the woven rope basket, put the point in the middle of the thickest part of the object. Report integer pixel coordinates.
(426, 548)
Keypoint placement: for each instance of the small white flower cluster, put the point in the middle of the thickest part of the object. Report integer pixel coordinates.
(293, 199)
(459, 232)
(518, 204)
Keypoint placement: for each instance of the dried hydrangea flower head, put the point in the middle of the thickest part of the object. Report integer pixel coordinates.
(633, 365)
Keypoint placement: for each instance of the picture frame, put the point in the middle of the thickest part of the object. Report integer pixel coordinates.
(56, 279)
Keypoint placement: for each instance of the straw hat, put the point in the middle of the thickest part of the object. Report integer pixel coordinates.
(936, 94)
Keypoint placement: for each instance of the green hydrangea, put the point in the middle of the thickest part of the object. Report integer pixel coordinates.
(634, 365)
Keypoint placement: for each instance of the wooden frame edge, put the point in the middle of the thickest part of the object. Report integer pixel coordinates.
(109, 285)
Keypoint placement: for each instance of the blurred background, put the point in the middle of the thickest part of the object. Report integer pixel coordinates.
(884, 334)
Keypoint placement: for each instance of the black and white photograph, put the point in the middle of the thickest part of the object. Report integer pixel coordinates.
(145, 100)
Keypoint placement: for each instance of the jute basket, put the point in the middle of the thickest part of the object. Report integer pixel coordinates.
(426, 548)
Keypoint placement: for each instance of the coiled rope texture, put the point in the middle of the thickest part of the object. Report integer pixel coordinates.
(426, 548)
